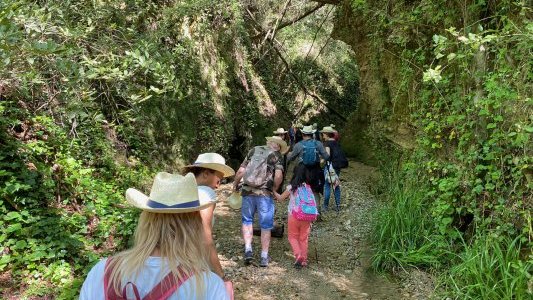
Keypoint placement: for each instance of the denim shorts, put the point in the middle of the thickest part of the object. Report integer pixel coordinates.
(264, 205)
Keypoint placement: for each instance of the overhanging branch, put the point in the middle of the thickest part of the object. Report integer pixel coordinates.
(288, 23)
(302, 86)
(334, 2)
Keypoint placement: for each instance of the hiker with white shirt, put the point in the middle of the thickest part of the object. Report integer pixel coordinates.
(209, 169)
(167, 259)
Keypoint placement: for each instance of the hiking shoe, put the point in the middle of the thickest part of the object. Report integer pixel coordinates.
(248, 257)
(298, 265)
(264, 261)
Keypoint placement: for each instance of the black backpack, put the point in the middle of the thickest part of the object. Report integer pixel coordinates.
(337, 157)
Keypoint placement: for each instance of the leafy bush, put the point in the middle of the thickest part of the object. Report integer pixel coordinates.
(465, 74)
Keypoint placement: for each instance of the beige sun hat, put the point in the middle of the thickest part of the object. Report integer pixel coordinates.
(327, 129)
(280, 131)
(213, 161)
(308, 130)
(170, 193)
(280, 142)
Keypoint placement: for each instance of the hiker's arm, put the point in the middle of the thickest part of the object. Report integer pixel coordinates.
(238, 177)
(295, 151)
(242, 169)
(283, 195)
(328, 152)
(207, 221)
(322, 151)
(278, 178)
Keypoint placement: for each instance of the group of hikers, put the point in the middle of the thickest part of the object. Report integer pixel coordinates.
(174, 255)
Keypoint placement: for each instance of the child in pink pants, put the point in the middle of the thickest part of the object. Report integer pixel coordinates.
(298, 230)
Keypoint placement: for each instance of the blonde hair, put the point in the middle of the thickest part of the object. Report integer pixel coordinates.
(178, 239)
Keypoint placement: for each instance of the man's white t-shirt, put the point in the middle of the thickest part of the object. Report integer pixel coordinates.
(149, 277)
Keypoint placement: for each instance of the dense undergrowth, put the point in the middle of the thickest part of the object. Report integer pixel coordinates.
(459, 203)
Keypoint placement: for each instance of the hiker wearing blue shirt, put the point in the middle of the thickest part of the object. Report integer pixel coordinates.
(309, 151)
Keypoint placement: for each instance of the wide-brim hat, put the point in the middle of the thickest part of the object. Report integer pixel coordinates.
(170, 193)
(308, 130)
(282, 144)
(327, 129)
(213, 161)
(280, 131)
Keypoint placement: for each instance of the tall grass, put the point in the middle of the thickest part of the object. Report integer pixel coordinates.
(491, 268)
(401, 227)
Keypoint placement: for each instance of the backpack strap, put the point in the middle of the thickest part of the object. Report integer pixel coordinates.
(109, 291)
(161, 291)
(167, 286)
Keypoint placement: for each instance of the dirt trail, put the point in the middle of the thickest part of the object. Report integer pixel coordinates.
(338, 253)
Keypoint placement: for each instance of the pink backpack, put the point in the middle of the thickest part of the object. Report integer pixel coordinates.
(304, 204)
(163, 290)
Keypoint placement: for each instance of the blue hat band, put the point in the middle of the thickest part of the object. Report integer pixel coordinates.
(190, 204)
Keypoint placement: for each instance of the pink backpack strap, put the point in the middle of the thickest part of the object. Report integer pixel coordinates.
(135, 291)
(166, 287)
(163, 290)
(109, 291)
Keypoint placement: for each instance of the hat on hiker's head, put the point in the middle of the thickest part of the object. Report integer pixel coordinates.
(282, 144)
(327, 129)
(170, 193)
(308, 130)
(213, 161)
(280, 131)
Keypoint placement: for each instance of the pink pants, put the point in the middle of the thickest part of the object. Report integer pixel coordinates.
(299, 237)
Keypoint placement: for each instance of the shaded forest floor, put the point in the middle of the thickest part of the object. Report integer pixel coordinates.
(339, 254)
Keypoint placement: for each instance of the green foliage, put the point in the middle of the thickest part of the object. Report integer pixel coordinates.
(58, 212)
(403, 234)
(465, 74)
(491, 268)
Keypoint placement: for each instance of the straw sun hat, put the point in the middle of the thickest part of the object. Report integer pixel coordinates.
(327, 129)
(280, 131)
(170, 193)
(282, 144)
(308, 130)
(213, 161)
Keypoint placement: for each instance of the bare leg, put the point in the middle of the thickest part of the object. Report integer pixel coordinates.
(265, 241)
(247, 234)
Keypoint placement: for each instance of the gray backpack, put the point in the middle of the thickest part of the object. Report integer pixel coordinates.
(257, 172)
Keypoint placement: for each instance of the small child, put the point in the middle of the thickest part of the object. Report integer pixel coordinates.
(298, 230)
